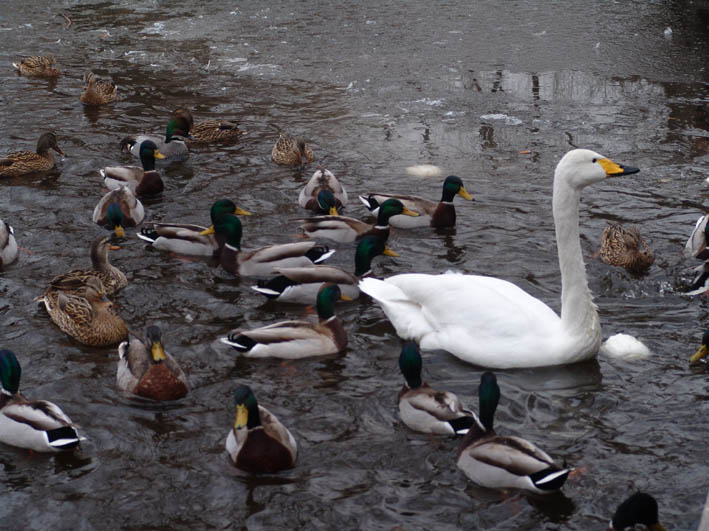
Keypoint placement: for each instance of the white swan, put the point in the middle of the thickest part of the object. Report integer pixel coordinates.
(493, 323)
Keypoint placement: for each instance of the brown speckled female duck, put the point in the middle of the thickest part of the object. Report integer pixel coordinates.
(98, 91)
(291, 151)
(24, 162)
(38, 66)
(217, 131)
(624, 247)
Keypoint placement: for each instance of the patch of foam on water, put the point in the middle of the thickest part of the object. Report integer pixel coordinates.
(509, 120)
(155, 29)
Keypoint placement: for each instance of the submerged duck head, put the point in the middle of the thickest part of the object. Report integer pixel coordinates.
(489, 397)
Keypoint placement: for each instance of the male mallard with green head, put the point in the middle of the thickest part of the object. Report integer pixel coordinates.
(301, 284)
(258, 443)
(183, 238)
(344, 229)
(430, 213)
(98, 91)
(38, 425)
(119, 209)
(500, 462)
(143, 181)
(296, 339)
(38, 66)
(424, 409)
(323, 194)
(24, 162)
(265, 260)
(146, 369)
(291, 151)
(172, 146)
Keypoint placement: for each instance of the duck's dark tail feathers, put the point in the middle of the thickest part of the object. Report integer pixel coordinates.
(550, 478)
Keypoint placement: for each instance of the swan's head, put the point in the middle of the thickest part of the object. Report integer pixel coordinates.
(581, 167)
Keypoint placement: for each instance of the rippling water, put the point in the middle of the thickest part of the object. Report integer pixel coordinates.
(375, 88)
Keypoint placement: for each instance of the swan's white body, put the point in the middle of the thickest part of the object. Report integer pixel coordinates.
(493, 323)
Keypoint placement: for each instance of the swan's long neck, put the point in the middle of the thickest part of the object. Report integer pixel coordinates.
(578, 312)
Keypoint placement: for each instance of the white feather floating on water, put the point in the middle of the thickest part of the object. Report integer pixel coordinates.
(424, 170)
(624, 346)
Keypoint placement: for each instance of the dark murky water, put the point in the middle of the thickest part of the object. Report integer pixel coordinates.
(375, 89)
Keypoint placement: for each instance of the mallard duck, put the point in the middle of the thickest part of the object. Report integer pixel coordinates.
(38, 424)
(145, 369)
(296, 339)
(183, 238)
(344, 229)
(696, 245)
(431, 213)
(8, 245)
(263, 261)
(624, 247)
(699, 356)
(424, 409)
(323, 194)
(87, 316)
(500, 462)
(98, 91)
(119, 209)
(112, 278)
(493, 323)
(258, 443)
(291, 151)
(143, 181)
(23, 162)
(38, 66)
(301, 284)
(220, 131)
(640, 508)
(173, 146)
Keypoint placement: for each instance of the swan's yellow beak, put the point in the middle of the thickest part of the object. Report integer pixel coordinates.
(242, 417)
(698, 355)
(464, 194)
(208, 231)
(158, 352)
(408, 212)
(158, 155)
(389, 252)
(241, 212)
(616, 170)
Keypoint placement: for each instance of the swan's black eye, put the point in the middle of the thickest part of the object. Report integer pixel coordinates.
(594, 160)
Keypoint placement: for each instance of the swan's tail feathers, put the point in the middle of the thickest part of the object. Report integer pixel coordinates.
(461, 425)
(63, 438)
(550, 478)
(381, 291)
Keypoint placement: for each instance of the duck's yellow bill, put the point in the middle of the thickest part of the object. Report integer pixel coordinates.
(408, 212)
(389, 252)
(333, 211)
(699, 354)
(242, 416)
(158, 352)
(464, 194)
(241, 212)
(119, 231)
(208, 231)
(345, 298)
(158, 155)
